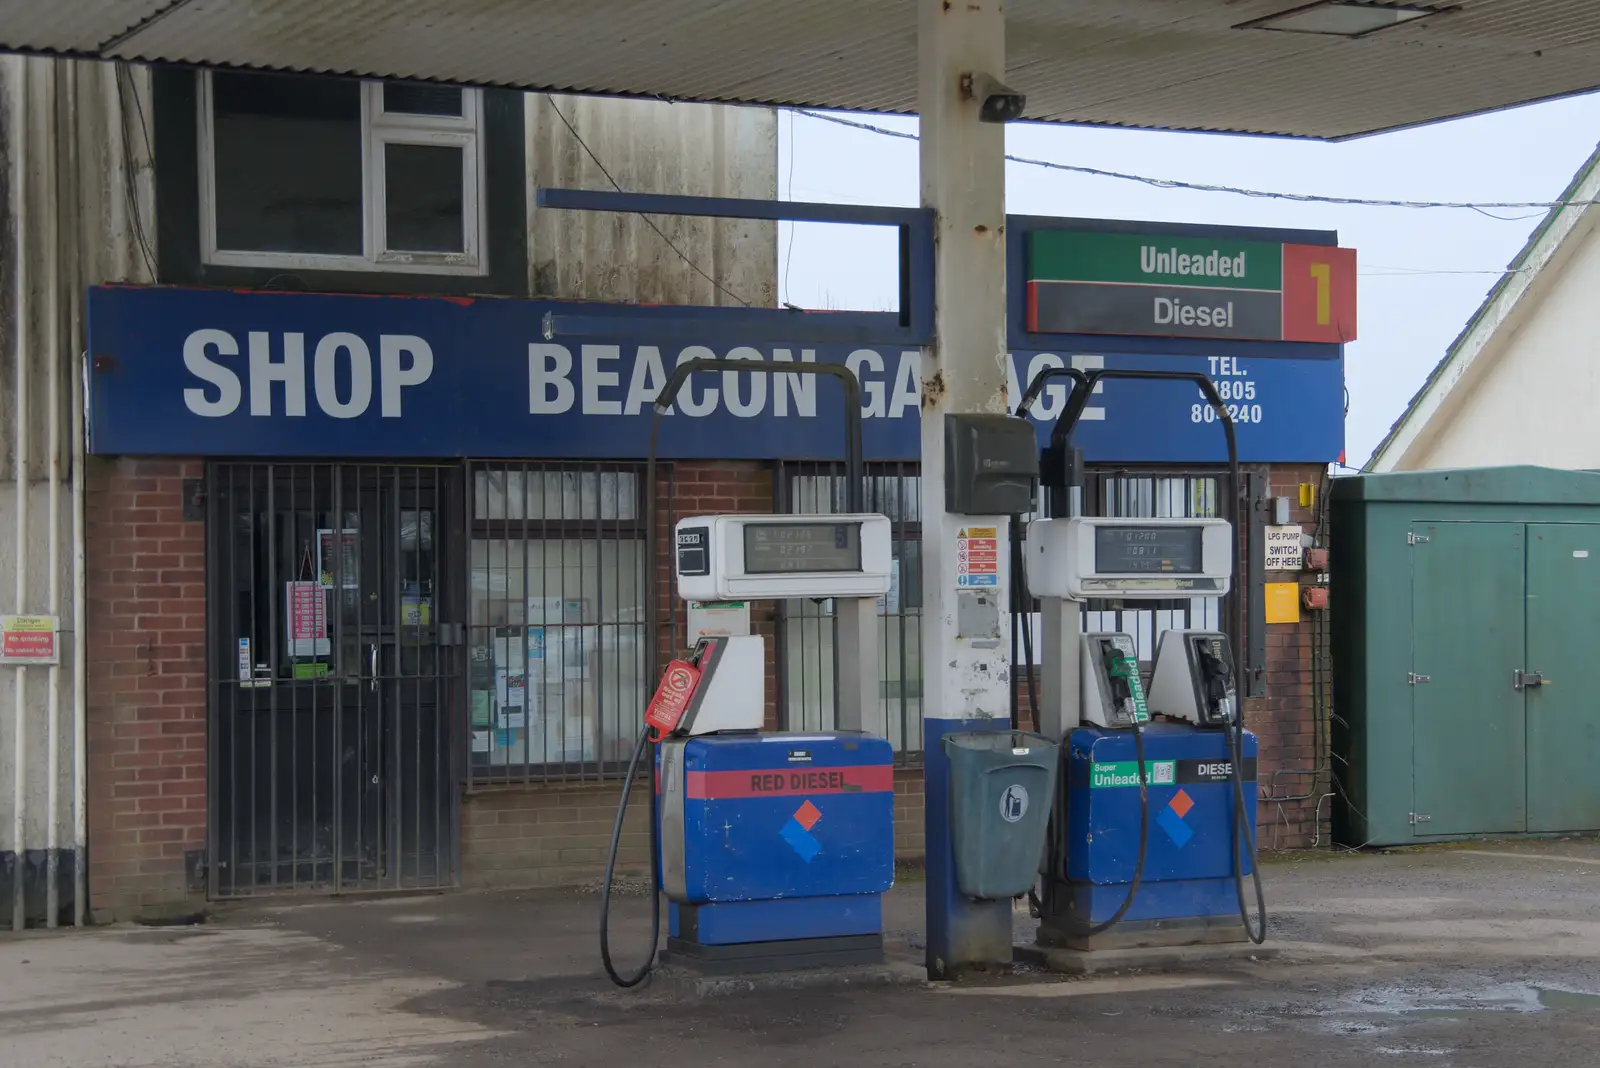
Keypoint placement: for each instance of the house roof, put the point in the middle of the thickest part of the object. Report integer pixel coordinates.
(1523, 282)
(1161, 64)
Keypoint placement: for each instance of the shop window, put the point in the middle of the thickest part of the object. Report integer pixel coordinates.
(316, 173)
(558, 654)
(808, 636)
(808, 625)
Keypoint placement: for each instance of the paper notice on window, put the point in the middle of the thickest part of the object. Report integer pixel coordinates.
(340, 561)
(544, 611)
(307, 619)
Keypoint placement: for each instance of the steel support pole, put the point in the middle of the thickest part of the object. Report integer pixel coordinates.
(965, 628)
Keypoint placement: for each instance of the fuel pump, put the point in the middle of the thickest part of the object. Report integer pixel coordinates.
(773, 849)
(1182, 760)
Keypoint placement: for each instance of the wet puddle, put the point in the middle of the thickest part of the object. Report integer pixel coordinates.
(1379, 1010)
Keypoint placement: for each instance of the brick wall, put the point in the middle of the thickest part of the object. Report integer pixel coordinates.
(909, 831)
(147, 745)
(550, 835)
(1294, 752)
(146, 693)
(554, 835)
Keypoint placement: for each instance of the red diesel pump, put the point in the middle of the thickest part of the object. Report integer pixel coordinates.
(772, 849)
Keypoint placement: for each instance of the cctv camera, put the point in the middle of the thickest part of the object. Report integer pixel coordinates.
(996, 102)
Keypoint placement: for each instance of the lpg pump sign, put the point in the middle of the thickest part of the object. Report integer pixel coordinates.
(672, 697)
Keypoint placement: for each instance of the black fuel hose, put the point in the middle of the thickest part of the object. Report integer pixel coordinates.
(1258, 930)
(636, 977)
(1144, 842)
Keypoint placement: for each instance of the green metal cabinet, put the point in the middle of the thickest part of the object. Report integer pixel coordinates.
(1466, 654)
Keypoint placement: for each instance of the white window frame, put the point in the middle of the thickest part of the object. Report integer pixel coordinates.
(379, 128)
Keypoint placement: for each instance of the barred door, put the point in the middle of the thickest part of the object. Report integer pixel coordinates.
(334, 667)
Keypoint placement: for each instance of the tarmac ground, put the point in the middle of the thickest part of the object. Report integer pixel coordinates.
(1483, 955)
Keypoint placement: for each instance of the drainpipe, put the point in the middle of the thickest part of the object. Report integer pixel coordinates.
(52, 354)
(19, 735)
(80, 662)
(73, 370)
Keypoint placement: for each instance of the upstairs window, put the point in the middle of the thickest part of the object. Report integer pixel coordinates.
(315, 173)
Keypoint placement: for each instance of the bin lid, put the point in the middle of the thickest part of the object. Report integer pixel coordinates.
(999, 741)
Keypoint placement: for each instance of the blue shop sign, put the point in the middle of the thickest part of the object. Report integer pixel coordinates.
(184, 372)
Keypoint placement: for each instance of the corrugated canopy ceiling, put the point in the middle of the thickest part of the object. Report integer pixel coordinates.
(1168, 64)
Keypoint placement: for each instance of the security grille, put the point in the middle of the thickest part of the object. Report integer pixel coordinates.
(557, 643)
(806, 630)
(333, 666)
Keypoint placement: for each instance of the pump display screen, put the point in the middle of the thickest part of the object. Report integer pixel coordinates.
(777, 548)
(1133, 550)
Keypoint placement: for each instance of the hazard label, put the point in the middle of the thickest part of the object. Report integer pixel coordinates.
(977, 557)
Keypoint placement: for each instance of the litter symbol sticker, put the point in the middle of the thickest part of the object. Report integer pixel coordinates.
(1014, 803)
(977, 557)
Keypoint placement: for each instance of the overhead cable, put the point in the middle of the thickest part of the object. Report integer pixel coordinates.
(1482, 207)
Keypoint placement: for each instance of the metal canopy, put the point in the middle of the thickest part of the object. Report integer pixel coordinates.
(1163, 64)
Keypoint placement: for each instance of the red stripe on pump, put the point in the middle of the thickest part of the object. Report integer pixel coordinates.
(715, 785)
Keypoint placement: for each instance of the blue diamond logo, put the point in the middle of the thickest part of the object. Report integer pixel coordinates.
(800, 840)
(1176, 829)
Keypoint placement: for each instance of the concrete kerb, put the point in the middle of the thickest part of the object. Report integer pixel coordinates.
(674, 983)
(1144, 958)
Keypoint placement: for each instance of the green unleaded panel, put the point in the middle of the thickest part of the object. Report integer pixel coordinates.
(1072, 256)
(1564, 646)
(1467, 721)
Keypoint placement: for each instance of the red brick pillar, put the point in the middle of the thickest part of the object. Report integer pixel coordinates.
(147, 686)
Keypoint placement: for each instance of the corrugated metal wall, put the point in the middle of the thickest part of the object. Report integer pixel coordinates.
(77, 208)
(75, 168)
(650, 146)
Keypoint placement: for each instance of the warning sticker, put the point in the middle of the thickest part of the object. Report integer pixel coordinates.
(977, 557)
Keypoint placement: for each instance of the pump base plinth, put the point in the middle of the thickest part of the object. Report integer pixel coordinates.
(790, 934)
(1139, 934)
(799, 954)
(1141, 958)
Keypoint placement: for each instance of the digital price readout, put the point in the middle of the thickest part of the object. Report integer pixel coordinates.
(783, 548)
(1153, 550)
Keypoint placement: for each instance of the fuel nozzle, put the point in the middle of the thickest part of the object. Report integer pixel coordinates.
(1118, 669)
(1215, 676)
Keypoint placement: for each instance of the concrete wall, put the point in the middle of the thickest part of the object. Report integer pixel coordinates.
(72, 175)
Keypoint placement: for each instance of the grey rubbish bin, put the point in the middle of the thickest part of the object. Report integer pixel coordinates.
(1002, 788)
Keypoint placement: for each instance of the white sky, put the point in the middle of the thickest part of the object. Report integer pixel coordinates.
(1411, 307)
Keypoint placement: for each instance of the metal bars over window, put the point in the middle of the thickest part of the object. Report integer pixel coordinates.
(557, 644)
(806, 632)
(1142, 494)
(333, 671)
